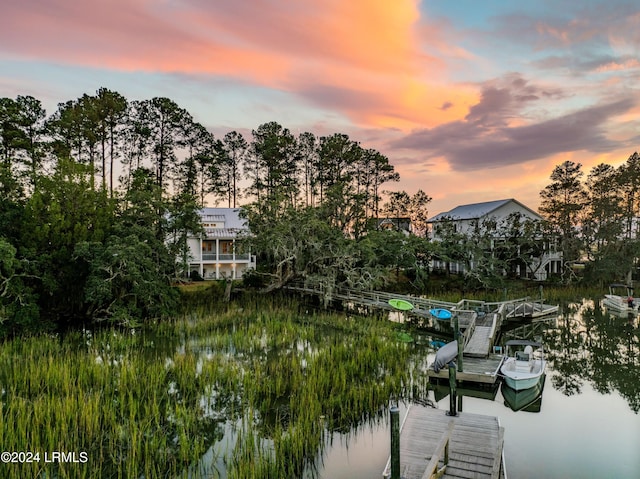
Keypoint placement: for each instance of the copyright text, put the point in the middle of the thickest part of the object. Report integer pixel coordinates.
(47, 457)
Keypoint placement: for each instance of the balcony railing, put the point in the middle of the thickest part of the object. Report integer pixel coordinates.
(225, 257)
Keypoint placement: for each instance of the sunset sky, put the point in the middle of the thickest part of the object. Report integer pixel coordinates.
(470, 100)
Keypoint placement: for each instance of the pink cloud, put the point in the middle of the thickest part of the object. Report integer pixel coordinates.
(365, 52)
(629, 64)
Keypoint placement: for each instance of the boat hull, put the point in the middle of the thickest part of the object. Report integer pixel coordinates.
(619, 303)
(401, 304)
(519, 380)
(520, 384)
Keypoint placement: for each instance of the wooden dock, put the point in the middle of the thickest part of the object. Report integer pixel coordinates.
(475, 445)
(480, 322)
(508, 309)
(477, 370)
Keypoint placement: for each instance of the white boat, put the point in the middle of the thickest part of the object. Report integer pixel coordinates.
(620, 298)
(523, 366)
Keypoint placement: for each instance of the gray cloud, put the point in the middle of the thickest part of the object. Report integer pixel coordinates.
(484, 138)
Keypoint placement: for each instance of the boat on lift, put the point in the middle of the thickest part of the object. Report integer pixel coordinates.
(620, 298)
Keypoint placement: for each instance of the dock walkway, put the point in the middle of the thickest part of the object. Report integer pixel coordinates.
(484, 334)
(475, 444)
(521, 308)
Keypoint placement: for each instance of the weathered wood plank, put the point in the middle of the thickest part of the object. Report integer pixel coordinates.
(495, 470)
(475, 444)
(478, 345)
(480, 370)
(433, 471)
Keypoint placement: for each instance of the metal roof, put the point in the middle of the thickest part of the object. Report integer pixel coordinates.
(475, 210)
(226, 233)
(230, 216)
(206, 217)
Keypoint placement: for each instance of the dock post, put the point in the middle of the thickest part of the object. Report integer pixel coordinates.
(395, 442)
(452, 390)
(458, 338)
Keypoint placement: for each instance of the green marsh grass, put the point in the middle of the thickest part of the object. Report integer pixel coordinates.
(151, 403)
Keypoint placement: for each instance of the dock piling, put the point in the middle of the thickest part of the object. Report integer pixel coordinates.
(458, 337)
(452, 390)
(395, 442)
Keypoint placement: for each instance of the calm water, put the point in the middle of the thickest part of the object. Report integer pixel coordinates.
(588, 425)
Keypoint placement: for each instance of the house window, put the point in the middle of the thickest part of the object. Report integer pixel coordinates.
(226, 247)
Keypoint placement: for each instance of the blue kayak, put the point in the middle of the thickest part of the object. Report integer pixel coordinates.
(441, 314)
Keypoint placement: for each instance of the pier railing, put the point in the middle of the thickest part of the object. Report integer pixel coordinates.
(433, 470)
(498, 460)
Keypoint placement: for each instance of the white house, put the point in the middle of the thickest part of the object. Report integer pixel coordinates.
(214, 255)
(465, 218)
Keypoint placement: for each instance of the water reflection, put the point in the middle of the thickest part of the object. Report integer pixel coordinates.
(590, 352)
(590, 345)
(528, 400)
(577, 425)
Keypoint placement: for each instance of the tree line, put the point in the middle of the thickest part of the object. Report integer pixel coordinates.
(97, 200)
(595, 218)
(111, 136)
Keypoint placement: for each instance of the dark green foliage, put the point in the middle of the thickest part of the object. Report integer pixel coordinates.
(596, 220)
(127, 280)
(61, 213)
(19, 312)
(195, 276)
(563, 203)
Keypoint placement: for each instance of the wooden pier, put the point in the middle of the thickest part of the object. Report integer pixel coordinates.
(526, 309)
(522, 308)
(478, 365)
(472, 444)
(480, 322)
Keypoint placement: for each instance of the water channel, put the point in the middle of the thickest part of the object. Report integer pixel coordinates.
(257, 393)
(585, 425)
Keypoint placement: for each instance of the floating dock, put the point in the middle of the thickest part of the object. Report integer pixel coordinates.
(478, 364)
(475, 370)
(474, 443)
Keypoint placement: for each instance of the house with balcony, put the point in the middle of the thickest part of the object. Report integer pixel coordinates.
(464, 219)
(216, 254)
